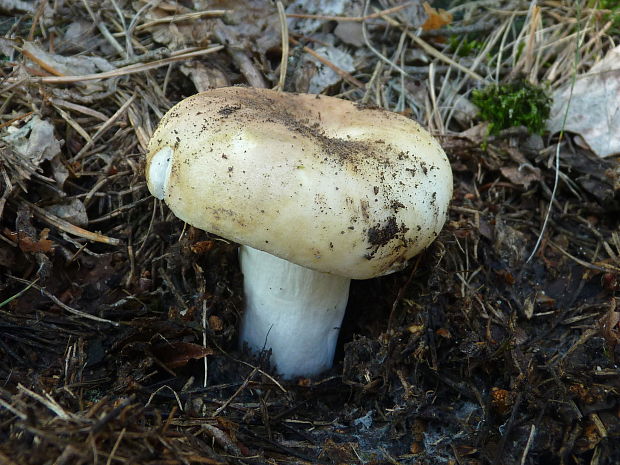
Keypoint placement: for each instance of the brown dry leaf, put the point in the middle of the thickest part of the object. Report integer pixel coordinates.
(215, 323)
(610, 282)
(177, 354)
(476, 134)
(544, 300)
(416, 447)
(436, 18)
(443, 332)
(501, 400)
(202, 247)
(590, 436)
(29, 244)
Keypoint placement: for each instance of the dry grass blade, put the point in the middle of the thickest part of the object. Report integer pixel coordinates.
(432, 51)
(64, 306)
(182, 17)
(103, 129)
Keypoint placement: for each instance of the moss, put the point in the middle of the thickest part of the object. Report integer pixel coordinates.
(465, 46)
(514, 104)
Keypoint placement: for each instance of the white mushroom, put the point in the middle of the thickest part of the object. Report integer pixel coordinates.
(317, 191)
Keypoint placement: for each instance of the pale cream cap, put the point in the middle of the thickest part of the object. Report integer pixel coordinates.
(318, 181)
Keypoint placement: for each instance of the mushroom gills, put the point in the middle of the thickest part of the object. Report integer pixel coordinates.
(159, 172)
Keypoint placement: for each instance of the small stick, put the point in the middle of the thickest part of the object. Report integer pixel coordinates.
(64, 225)
(17, 118)
(528, 444)
(48, 401)
(79, 108)
(179, 18)
(436, 53)
(237, 392)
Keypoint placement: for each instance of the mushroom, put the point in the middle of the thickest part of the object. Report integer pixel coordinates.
(317, 190)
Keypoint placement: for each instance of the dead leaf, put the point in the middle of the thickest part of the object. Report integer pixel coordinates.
(17, 6)
(610, 282)
(215, 323)
(73, 211)
(34, 141)
(350, 33)
(59, 171)
(59, 65)
(306, 26)
(436, 18)
(324, 76)
(507, 276)
(443, 332)
(501, 400)
(178, 354)
(510, 243)
(598, 89)
(202, 247)
(476, 134)
(204, 77)
(7, 48)
(30, 244)
(523, 175)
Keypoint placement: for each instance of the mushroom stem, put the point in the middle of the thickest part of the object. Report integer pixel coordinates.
(292, 310)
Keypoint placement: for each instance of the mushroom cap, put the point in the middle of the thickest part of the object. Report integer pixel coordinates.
(319, 181)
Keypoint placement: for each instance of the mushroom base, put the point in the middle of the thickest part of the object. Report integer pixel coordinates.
(294, 311)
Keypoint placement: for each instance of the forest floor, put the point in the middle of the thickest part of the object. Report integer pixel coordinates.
(118, 323)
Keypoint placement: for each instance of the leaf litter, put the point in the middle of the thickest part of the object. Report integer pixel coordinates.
(118, 324)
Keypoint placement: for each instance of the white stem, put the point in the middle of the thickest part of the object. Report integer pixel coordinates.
(294, 311)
